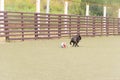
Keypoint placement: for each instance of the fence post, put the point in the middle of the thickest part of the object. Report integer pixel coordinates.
(6, 27)
(36, 27)
(107, 26)
(119, 26)
(104, 25)
(86, 24)
(2, 23)
(59, 26)
(48, 25)
(66, 24)
(78, 25)
(22, 24)
(69, 26)
(101, 26)
(93, 26)
(113, 26)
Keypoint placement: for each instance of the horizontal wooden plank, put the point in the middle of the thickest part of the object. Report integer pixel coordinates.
(33, 38)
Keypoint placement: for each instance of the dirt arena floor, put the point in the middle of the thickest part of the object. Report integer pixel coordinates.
(97, 58)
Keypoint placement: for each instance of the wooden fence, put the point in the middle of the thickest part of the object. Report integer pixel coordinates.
(23, 26)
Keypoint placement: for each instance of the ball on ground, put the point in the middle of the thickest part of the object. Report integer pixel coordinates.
(63, 45)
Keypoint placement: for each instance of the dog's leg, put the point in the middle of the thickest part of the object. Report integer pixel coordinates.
(73, 44)
(76, 45)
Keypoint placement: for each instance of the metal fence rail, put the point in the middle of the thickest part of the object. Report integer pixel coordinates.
(23, 26)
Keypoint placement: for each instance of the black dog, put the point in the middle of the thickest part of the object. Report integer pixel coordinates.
(75, 40)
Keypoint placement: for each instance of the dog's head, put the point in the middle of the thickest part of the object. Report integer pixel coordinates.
(79, 37)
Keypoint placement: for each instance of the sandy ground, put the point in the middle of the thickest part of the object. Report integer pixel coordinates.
(97, 58)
